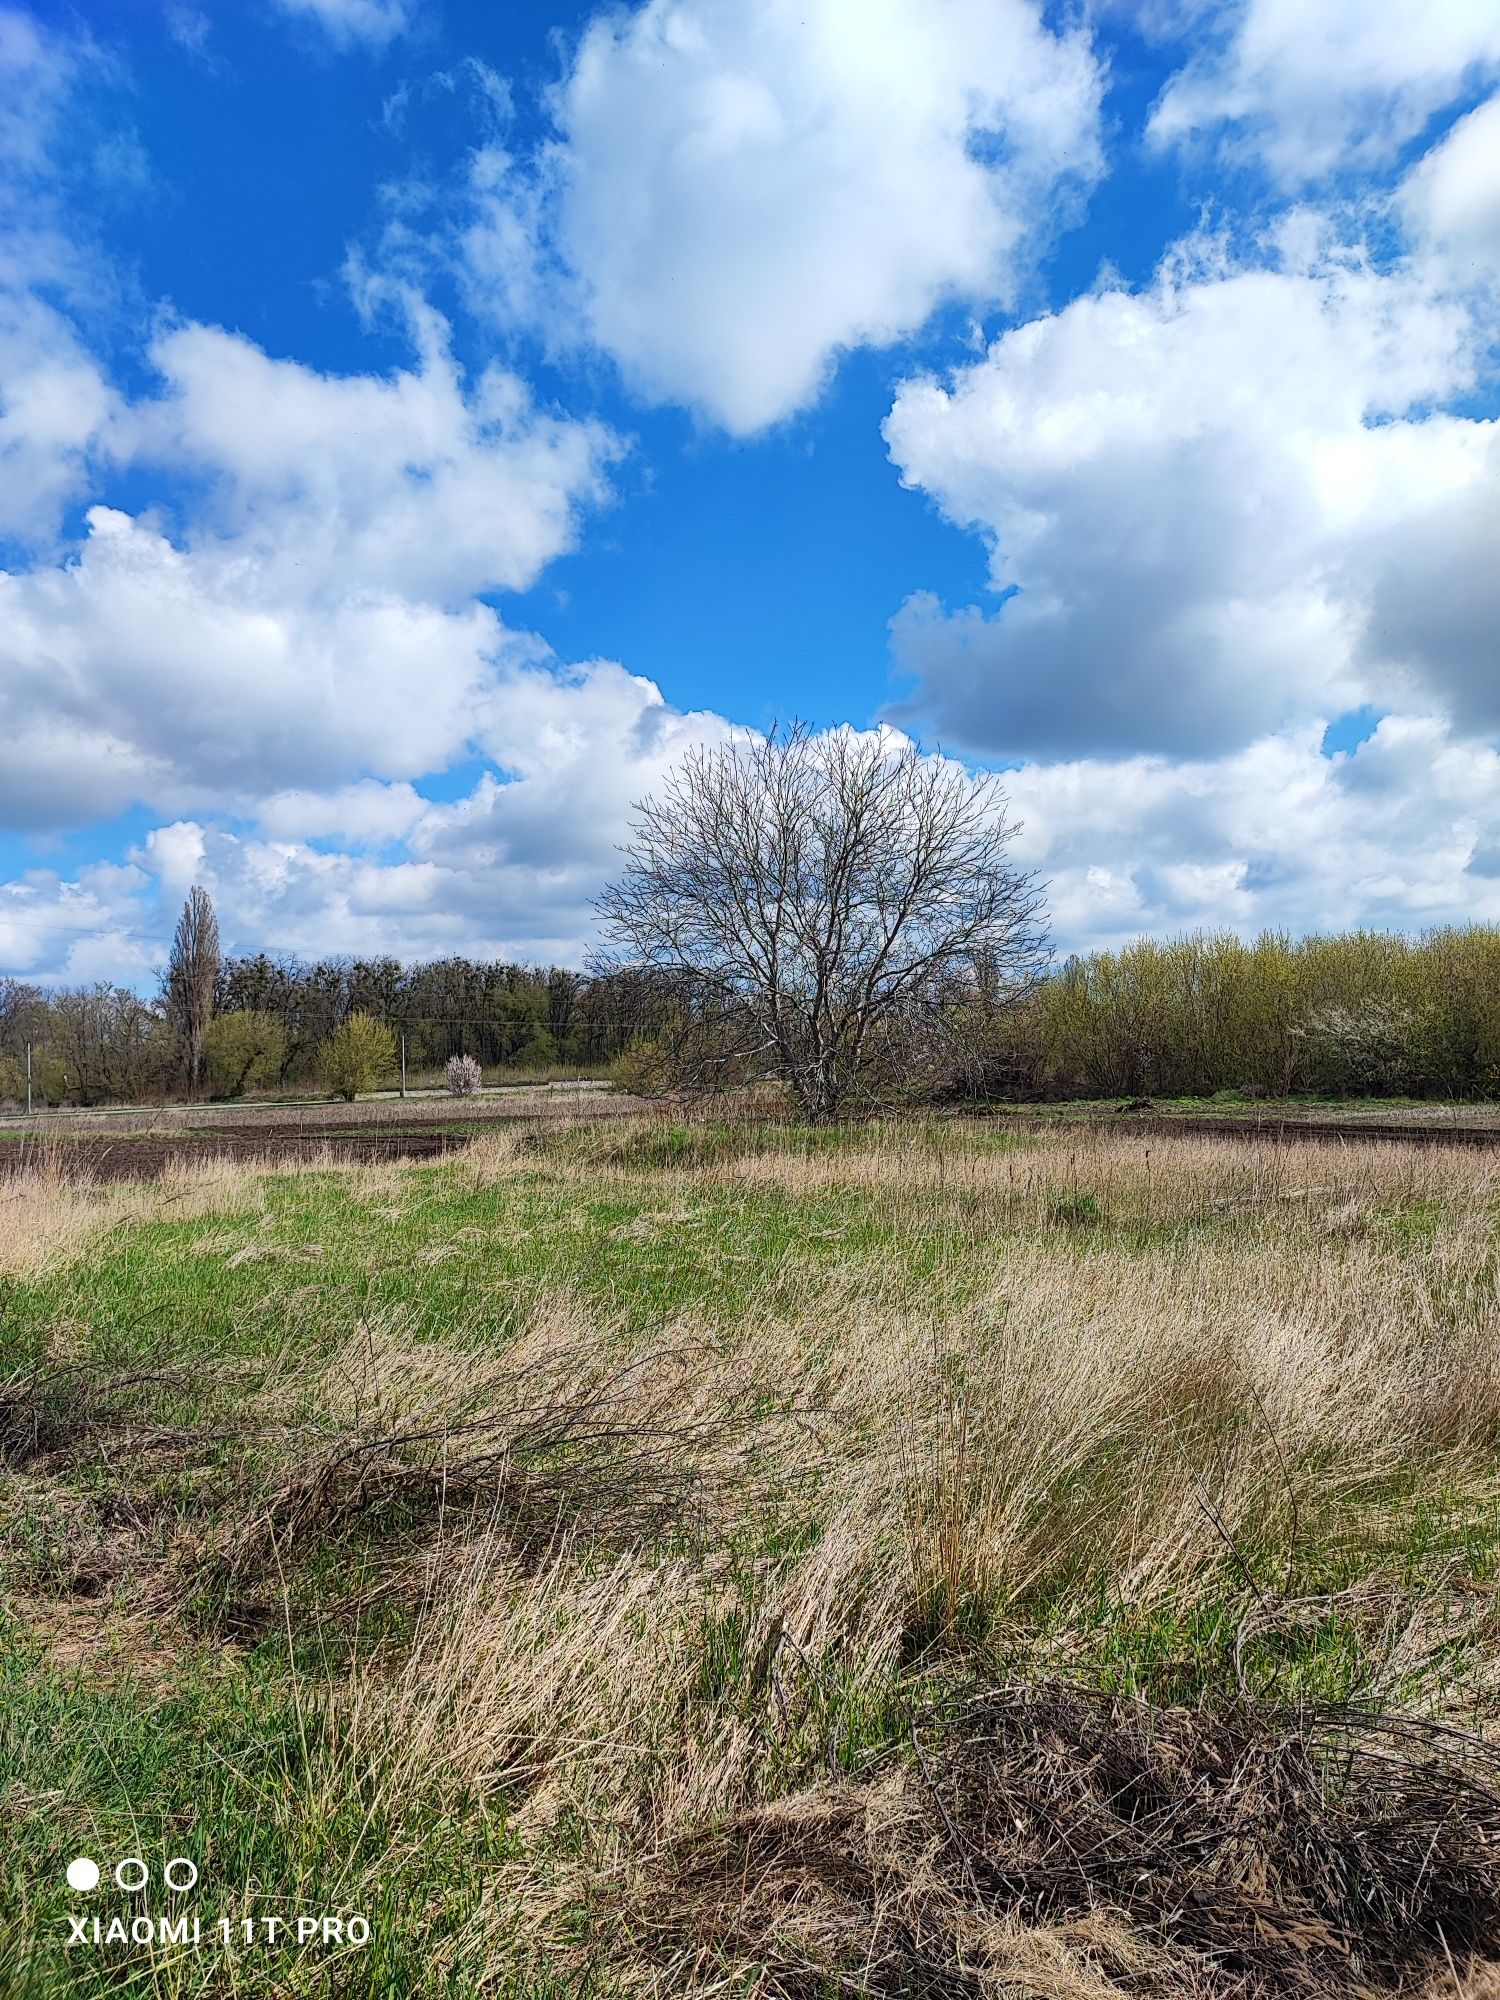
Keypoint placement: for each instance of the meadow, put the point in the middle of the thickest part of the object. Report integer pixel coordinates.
(653, 1556)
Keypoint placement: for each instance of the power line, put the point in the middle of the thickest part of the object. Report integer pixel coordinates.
(102, 933)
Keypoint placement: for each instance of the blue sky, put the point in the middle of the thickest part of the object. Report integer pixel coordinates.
(421, 422)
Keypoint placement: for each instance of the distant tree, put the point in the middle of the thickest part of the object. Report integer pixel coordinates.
(564, 990)
(243, 1050)
(23, 1015)
(374, 985)
(819, 900)
(358, 1053)
(538, 1051)
(105, 1043)
(192, 973)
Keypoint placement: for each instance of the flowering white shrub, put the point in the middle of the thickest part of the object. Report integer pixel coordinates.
(464, 1075)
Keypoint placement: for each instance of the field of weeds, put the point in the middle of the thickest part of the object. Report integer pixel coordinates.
(647, 1559)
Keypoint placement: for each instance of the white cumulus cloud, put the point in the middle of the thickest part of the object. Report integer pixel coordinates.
(737, 194)
(1311, 86)
(312, 620)
(1275, 835)
(140, 672)
(510, 869)
(413, 482)
(1451, 200)
(1222, 506)
(57, 409)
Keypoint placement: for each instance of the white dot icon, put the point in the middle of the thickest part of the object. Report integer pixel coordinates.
(83, 1873)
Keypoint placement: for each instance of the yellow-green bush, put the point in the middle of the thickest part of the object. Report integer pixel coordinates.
(644, 1069)
(356, 1056)
(243, 1051)
(1361, 1012)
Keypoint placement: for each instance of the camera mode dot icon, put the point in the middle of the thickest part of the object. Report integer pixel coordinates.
(83, 1873)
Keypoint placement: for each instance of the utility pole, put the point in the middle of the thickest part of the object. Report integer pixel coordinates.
(28, 1079)
(403, 1065)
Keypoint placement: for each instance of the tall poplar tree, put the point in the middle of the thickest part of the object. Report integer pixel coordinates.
(191, 976)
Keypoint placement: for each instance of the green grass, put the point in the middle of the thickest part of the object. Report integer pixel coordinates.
(214, 1723)
(227, 1765)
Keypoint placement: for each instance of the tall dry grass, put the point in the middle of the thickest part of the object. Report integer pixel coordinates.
(1232, 1369)
(51, 1214)
(709, 1579)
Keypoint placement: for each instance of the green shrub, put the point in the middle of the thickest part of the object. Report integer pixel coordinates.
(538, 1051)
(51, 1083)
(242, 1050)
(644, 1070)
(358, 1053)
(1356, 1012)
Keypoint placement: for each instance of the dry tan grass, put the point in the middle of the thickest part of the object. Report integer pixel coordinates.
(489, 1160)
(1182, 1415)
(48, 1217)
(1169, 1375)
(1162, 1175)
(562, 1100)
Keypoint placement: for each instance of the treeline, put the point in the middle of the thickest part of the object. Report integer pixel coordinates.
(273, 1017)
(97, 1044)
(504, 1015)
(1364, 1013)
(1359, 1014)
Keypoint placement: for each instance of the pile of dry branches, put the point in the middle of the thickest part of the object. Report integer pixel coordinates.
(1244, 1852)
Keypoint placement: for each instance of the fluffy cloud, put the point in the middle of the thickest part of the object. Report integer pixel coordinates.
(1451, 200)
(1404, 832)
(56, 407)
(369, 813)
(737, 194)
(1399, 833)
(1221, 506)
(408, 483)
(314, 620)
(90, 926)
(140, 672)
(1314, 85)
(56, 414)
(509, 869)
(598, 734)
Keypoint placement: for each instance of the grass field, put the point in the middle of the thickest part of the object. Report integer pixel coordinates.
(645, 1558)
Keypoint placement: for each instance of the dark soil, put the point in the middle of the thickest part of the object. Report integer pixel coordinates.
(100, 1157)
(145, 1156)
(1338, 1131)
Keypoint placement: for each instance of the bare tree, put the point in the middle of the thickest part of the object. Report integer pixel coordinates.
(820, 900)
(107, 1043)
(23, 1014)
(191, 975)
